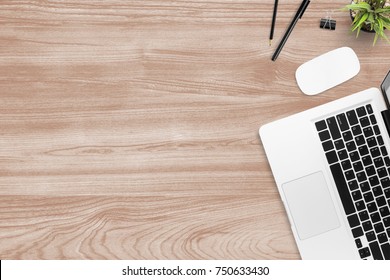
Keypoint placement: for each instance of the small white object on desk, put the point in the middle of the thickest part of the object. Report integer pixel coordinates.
(327, 71)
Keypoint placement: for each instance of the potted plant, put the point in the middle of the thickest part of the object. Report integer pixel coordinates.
(371, 16)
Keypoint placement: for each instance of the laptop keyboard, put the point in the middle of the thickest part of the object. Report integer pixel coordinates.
(360, 166)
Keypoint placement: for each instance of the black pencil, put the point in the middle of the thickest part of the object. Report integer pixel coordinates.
(297, 16)
(271, 34)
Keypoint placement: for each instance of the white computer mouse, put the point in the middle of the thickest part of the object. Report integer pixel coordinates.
(327, 70)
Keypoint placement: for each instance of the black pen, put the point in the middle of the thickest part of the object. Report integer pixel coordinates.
(297, 16)
(271, 34)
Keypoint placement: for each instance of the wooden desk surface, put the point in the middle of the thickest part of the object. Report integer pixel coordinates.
(129, 129)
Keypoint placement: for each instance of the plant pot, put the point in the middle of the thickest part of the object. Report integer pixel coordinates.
(366, 27)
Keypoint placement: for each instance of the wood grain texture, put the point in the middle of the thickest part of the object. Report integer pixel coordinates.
(129, 128)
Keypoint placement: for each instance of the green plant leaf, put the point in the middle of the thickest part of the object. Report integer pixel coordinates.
(358, 31)
(376, 37)
(384, 10)
(362, 5)
(383, 23)
(370, 17)
(361, 21)
(357, 18)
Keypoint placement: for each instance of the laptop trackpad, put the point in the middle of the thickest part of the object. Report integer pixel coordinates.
(310, 205)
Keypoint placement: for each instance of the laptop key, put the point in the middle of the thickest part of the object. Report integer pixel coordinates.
(356, 130)
(324, 135)
(356, 195)
(378, 162)
(386, 221)
(333, 127)
(369, 109)
(375, 152)
(331, 157)
(360, 205)
(358, 243)
(378, 227)
(371, 207)
(376, 251)
(327, 145)
(364, 187)
(368, 132)
(384, 151)
(376, 130)
(357, 232)
(361, 111)
(349, 175)
(352, 118)
(346, 164)
(357, 166)
(354, 156)
(363, 215)
(342, 188)
(380, 201)
(370, 236)
(342, 154)
(367, 226)
(382, 172)
(339, 144)
(363, 150)
(347, 136)
(368, 197)
(373, 181)
(364, 253)
(342, 121)
(370, 170)
(386, 251)
(361, 176)
(366, 160)
(380, 140)
(375, 217)
(384, 211)
(353, 220)
(321, 125)
(351, 146)
(377, 190)
(382, 237)
(360, 140)
(372, 119)
(387, 192)
(353, 185)
(371, 142)
(364, 121)
(385, 182)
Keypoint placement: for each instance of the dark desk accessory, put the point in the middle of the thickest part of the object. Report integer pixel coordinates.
(326, 23)
(297, 16)
(271, 34)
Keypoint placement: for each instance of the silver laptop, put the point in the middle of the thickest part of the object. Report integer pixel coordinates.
(331, 165)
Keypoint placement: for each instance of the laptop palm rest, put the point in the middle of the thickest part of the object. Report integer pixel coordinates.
(310, 205)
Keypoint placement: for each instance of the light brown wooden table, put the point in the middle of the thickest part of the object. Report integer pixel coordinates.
(129, 129)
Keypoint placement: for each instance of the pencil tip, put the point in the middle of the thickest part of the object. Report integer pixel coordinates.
(270, 42)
